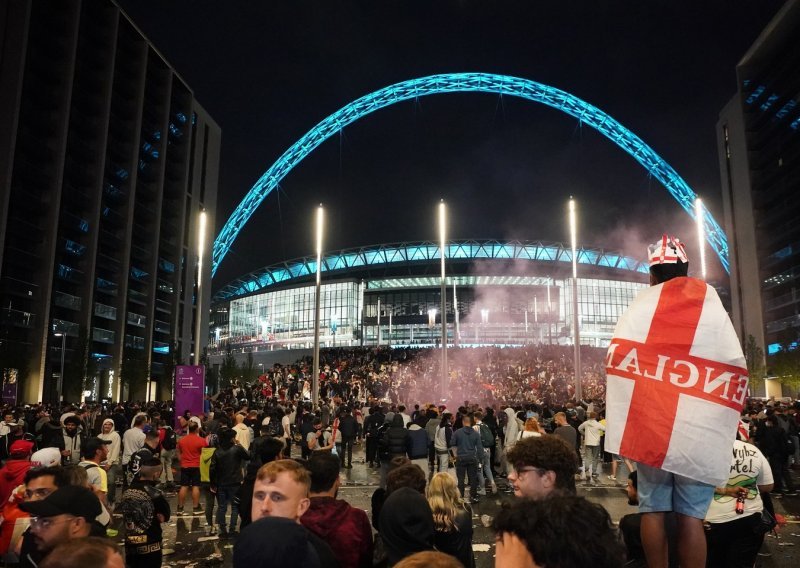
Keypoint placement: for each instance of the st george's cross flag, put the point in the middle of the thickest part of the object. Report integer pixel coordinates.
(677, 381)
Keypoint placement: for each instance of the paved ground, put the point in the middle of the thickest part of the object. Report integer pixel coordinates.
(192, 548)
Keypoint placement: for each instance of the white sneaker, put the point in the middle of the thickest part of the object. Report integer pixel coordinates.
(612, 478)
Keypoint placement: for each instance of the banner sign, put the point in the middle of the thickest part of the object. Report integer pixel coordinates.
(190, 389)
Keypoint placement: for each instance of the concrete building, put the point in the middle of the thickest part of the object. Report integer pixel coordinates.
(758, 137)
(106, 160)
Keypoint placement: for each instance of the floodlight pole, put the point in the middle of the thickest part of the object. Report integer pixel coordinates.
(315, 377)
(60, 384)
(701, 236)
(573, 231)
(201, 243)
(442, 236)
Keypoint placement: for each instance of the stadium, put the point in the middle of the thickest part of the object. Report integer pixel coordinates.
(506, 293)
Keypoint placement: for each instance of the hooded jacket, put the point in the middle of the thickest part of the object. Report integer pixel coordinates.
(346, 529)
(114, 447)
(406, 524)
(11, 475)
(512, 428)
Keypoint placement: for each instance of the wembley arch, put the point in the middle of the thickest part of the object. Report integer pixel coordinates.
(462, 83)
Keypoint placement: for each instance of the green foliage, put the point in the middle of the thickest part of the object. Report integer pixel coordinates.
(756, 366)
(228, 371)
(249, 371)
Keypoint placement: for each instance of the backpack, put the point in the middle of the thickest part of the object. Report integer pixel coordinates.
(487, 438)
(274, 428)
(170, 439)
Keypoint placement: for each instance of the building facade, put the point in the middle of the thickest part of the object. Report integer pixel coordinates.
(758, 136)
(497, 293)
(106, 160)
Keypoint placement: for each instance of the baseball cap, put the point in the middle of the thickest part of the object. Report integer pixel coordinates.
(46, 457)
(91, 445)
(69, 500)
(20, 448)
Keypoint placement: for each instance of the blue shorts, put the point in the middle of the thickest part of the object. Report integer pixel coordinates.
(661, 491)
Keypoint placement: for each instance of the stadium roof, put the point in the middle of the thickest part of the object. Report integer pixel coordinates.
(377, 256)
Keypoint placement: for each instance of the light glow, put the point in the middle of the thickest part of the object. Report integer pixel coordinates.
(573, 236)
(698, 216)
(320, 226)
(442, 232)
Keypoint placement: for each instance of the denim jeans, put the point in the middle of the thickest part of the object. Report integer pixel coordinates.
(225, 495)
(592, 457)
(346, 446)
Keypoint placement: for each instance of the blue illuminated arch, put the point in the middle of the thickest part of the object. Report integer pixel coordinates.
(460, 83)
(379, 256)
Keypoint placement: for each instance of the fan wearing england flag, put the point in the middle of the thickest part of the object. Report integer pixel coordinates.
(677, 380)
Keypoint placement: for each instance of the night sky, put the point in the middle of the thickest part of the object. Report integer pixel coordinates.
(267, 71)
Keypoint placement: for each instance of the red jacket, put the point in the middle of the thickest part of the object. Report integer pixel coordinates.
(346, 530)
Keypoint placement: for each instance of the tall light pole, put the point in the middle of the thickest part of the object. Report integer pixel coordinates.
(701, 234)
(442, 236)
(573, 233)
(201, 247)
(60, 384)
(315, 377)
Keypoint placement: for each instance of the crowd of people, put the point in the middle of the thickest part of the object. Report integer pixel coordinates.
(250, 461)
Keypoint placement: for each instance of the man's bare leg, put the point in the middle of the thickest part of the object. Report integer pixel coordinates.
(654, 540)
(691, 542)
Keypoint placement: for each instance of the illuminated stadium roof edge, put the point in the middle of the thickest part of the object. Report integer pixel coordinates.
(419, 252)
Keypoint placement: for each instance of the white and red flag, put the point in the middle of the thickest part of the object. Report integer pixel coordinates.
(677, 381)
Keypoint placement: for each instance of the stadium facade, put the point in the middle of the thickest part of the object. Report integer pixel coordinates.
(505, 293)
(107, 161)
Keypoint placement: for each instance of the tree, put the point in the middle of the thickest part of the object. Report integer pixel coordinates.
(228, 371)
(249, 371)
(756, 366)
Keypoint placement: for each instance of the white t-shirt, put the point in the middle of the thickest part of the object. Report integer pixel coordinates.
(749, 469)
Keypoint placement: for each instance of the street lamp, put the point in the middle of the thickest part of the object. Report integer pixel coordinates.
(60, 385)
(315, 378)
(573, 233)
(201, 245)
(442, 237)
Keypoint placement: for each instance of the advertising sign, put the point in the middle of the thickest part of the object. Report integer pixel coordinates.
(189, 389)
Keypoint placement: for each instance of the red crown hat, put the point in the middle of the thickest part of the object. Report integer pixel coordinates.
(668, 250)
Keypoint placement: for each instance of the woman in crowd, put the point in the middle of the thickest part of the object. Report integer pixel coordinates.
(532, 429)
(452, 520)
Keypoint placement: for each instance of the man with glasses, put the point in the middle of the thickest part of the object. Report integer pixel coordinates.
(65, 514)
(541, 466)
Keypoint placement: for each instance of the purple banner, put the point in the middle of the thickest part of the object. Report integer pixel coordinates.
(190, 383)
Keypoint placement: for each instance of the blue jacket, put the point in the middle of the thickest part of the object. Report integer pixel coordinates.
(467, 443)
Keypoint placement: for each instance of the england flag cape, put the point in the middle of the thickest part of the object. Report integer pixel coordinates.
(677, 381)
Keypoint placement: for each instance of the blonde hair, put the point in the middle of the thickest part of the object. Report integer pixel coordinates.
(532, 425)
(299, 474)
(445, 501)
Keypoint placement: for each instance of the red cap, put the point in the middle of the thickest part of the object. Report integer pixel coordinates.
(21, 447)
